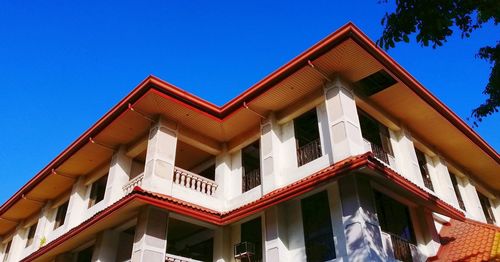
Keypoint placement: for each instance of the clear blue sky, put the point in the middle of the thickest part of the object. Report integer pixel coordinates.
(63, 64)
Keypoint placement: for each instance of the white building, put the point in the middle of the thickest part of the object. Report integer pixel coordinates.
(339, 155)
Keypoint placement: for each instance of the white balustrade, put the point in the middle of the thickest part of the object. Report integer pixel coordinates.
(136, 181)
(194, 181)
(174, 258)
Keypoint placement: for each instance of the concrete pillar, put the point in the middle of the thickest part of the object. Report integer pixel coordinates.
(343, 121)
(495, 206)
(223, 251)
(471, 201)
(442, 181)
(18, 243)
(150, 241)
(276, 236)
(235, 232)
(362, 231)
(223, 174)
(160, 157)
(236, 177)
(106, 246)
(77, 204)
(269, 153)
(118, 176)
(336, 216)
(288, 148)
(42, 226)
(295, 233)
(406, 158)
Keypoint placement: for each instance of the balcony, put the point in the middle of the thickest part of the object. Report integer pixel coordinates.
(250, 179)
(309, 152)
(244, 251)
(182, 178)
(380, 154)
(399, 249)
(175, 258)
(194, 181)
(136, 181)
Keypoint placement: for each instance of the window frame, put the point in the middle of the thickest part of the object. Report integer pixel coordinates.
(327, 232)
(60, 216)
(6, 251)
(97, 191)
(31, 234)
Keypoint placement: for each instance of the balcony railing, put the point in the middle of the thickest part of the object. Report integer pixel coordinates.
(244, 250)
(175, 258)
(401, 247)
(309, 152)
(426, 177)
(194, 181)
(378, 151)
(250, 179)
(136, 181)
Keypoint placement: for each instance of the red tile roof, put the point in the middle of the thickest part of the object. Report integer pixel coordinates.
(468, 241)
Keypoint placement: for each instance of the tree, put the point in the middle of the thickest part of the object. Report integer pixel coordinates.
(433, 21)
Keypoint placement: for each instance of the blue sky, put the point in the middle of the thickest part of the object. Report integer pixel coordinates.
(63, 64)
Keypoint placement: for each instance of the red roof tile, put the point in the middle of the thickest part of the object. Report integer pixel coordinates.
(468, 241)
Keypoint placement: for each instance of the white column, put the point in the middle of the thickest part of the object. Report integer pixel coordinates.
(118, 176)
(276, 237)
(426, 233)
(160, 157)
(150, 241)
(77, 204)
(495, 206)
(222, 244)
(442, 181)
(296, 242)
(236, 177)
(336, 216)
(362, 231)
(343, 121)
(471, 201)
(406, 157)
(223, 174)
(269, 153)
(288, 149)
(18, 243)
(106, 246)
(42, 226)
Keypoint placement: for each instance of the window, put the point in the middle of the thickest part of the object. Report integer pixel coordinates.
(307, 137)
(318, 233)
(31, 234)
(378, 136)
(209, 172)
(61, 215)
(85, 255)
(454, 181)
(7, 251)
(422, 164)
(394, 220)
(97, 190)
(251, 232)
(488, 212)
(250, 158)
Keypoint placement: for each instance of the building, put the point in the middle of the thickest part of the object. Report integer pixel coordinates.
(339, 155)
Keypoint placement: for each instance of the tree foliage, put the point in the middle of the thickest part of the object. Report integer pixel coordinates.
(433, 21)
